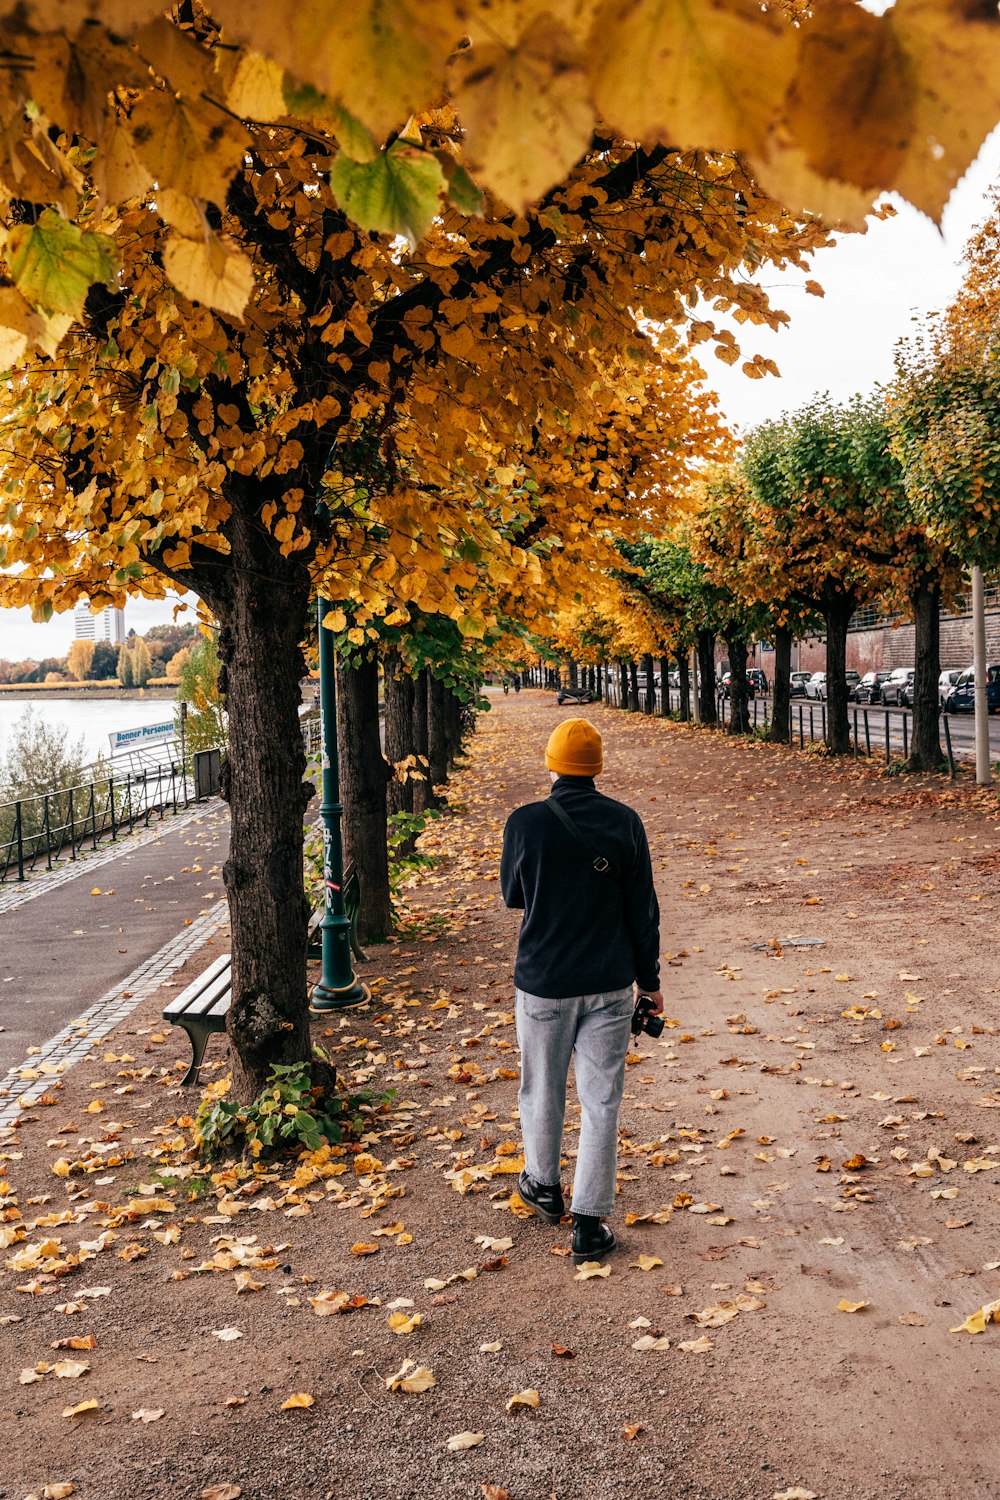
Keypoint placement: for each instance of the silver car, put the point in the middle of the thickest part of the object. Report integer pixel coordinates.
(816, 686)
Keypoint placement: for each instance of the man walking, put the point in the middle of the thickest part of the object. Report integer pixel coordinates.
(578, 865)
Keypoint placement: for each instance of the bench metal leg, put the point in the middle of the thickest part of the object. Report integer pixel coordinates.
(199, 1035)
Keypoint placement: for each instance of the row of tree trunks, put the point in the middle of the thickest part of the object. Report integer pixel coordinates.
(423, 719)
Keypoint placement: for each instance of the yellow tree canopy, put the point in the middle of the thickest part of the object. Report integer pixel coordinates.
(103, 99)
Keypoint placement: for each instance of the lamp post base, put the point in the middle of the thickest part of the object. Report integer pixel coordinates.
(323, 1000)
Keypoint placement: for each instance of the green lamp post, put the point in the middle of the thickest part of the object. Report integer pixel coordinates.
(338, 985)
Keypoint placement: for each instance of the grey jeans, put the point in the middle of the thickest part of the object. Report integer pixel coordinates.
(596, 1028)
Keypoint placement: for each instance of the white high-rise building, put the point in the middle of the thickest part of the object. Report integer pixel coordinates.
(108, 625)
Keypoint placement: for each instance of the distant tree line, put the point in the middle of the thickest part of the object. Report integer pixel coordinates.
(162, 651)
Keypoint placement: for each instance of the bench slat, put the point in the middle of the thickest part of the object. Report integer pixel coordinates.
(217, 972)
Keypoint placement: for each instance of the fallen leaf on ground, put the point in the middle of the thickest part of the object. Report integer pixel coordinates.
(493, 1348)
(529, 1397)
(145, 1414)
(299, 1400)
(411, 1377)
(647, 1341)
(222, 1492)
(591, 1268)
(361, 1248)
(463, 1440)
(59, 1491)
(702, 1345)
(850, 1307)
(401, 1324)
(70, 1369)
(795, 1493)
(645, 1263)
(227, 1335)
(81, 1410)
(912, 1320)
(561, 1352)
(631, 1430)
(976, 1321)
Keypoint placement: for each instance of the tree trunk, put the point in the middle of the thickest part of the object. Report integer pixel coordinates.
(398, 727)
(739, 718)
(364, 774)
(437, 735)
(262, 608)
(422, 799)
(838, 730)
(684, 679)
(572, 674)
(665, 684)
(453, 725)
(633, 687)
(706, 671)
(649, 703)
(925, 746)
(622, 685)
(781, 718)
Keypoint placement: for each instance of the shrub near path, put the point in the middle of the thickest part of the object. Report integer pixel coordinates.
(806, 1190)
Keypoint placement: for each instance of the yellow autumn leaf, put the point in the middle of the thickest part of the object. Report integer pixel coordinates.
(147, 1414)
(81, 1410)
(851, 1307)
(645, 1263)
(463, 1440)
(524, 103)
(70, 1369)
(299, 1401)
(528, 1398)
(210, 271)
(401, 1324)
(702, 1345)
(590, 1269)
(411, 1377)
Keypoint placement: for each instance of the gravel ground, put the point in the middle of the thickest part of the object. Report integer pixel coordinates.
(742, 1132)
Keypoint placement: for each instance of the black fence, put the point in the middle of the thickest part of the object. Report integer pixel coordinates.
(38, 831)
(885, 732)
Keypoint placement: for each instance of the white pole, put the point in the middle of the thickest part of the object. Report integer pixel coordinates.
(983, 772)
(696, 703)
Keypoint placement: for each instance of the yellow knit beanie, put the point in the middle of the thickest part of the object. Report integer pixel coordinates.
(575, 749)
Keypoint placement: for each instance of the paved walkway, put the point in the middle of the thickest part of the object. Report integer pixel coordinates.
(71, 949)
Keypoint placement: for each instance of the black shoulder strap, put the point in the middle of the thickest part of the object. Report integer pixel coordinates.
(599, 862)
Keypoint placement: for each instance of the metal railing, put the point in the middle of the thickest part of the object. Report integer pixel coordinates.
(50, 826)
(886, 732)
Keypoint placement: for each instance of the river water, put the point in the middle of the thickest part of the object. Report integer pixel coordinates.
(89, 719)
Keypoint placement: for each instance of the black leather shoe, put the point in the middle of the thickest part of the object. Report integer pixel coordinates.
(592, 1240)
(546, 1201)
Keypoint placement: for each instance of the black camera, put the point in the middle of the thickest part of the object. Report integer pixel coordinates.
(645, 1018)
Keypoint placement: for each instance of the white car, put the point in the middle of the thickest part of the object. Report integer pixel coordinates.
(946, 682)
(816, 686)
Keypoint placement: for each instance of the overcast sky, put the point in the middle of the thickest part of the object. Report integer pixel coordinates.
(876, 285)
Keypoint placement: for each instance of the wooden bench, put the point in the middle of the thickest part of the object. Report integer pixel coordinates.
(201, 1009)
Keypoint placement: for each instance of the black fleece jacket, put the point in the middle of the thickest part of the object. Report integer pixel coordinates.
(583, 933)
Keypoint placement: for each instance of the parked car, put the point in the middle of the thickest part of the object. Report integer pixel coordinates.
(757, 676)
(725, 683)
(816, 686)
(946, 682)
(797, 684)
(852, 679)
(894, 684)
(961, 699)
(869, 689)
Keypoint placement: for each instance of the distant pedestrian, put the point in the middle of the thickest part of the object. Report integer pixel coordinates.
(577, 863)
(517, 682)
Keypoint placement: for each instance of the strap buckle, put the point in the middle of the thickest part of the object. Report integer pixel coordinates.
(601, 865)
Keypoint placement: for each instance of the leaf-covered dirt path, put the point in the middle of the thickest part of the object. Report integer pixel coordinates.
(807, 1202)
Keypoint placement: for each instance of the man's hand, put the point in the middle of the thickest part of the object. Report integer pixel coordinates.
(657, 998)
